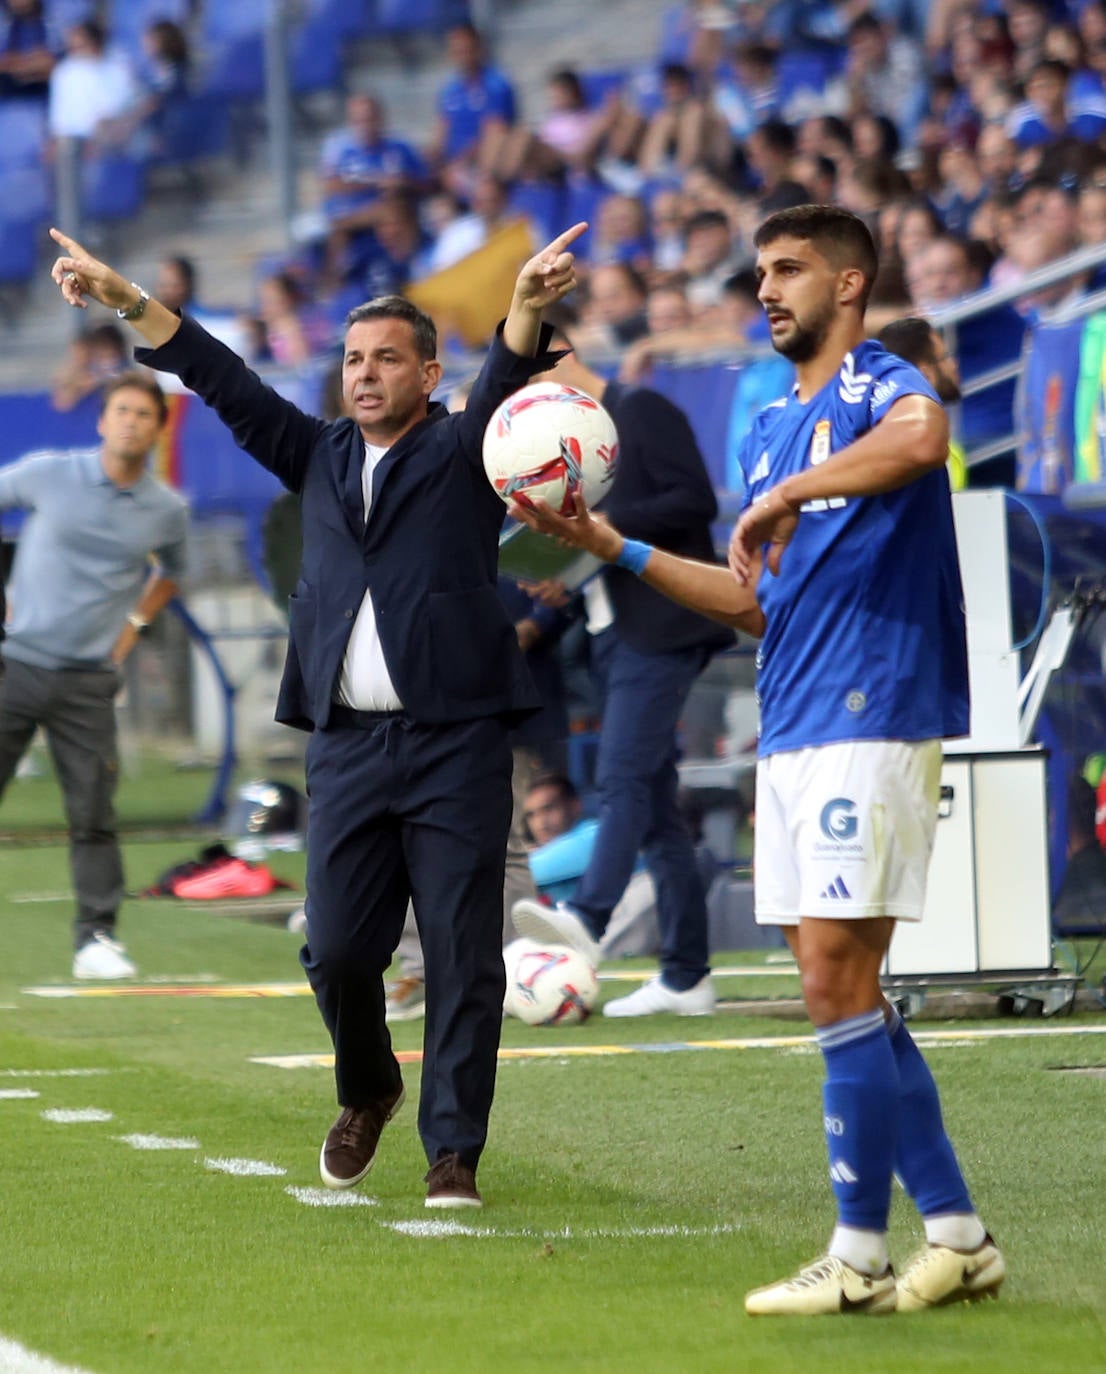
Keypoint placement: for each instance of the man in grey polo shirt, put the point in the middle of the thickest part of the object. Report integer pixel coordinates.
(100, 553)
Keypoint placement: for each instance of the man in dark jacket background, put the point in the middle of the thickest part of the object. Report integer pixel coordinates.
(403, 662)
(646, 653)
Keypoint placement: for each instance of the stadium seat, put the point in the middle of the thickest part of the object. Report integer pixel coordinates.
(194, 128)
(404, 16)
(543, 205)
(803, 70)
(128, 19)
(236, 68)
(223, 21)
(315, 57)
(22, 134)
(113, 186)
(345, 18)
(600, 82)
(18, 250)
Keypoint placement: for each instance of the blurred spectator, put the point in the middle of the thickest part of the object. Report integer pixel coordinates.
(818, 174)
(359, 163)
(710, 258)
(751, 94)
(869, 183)
(919, 225)
(944, 273)
(565, 139)
(476, 108)
(95, 356)
(919, 343)
(825, 136)
(883, 76)
(1091, 227)
(467, 233)
(963, 187)
(176, 288)
(769, 150)
(291, 329)
(996, 155)
(875, 136)
(666, 227)
(29, 47)
(163, 77)
(614, 312)
(1051, 111)
(685, 132)
(1027, 21)
(89, 84)
(399, 252)
(621, 232)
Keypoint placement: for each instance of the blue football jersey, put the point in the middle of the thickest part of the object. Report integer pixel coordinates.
(865, 633)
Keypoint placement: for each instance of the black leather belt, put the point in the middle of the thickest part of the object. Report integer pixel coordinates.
(347, 717)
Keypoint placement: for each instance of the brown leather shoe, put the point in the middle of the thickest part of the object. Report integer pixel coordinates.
(452, 1184)
(350, 1145)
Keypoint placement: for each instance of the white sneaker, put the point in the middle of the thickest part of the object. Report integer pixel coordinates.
(829, 1285)
(938, 1274)
(559, 924)
(102, 957)
(653, 997)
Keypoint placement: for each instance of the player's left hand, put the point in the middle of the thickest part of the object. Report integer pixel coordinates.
(583, 530)
(771, 520)
(550, 274)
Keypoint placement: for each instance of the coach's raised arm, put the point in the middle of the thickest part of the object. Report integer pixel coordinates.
(708, 588)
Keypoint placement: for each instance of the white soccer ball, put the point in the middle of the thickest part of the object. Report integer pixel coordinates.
(548, 985)
(551, 441)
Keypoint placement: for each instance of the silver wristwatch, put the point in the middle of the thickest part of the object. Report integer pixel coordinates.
(138, 309)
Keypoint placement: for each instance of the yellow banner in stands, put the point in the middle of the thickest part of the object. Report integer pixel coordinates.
(470, 298)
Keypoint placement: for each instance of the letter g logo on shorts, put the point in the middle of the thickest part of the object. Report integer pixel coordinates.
(838, 820)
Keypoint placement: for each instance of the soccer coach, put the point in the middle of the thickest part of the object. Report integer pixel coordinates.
(405, 666)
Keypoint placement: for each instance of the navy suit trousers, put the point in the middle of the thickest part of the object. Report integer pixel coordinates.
(402, 810)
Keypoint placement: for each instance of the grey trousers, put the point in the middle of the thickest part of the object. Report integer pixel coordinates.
(517, 880)
(76, 709)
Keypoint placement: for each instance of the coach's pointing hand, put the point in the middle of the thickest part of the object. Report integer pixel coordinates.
(80, 275)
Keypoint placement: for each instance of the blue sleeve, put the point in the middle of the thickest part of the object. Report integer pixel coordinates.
(566, 857)
(893, 381)
(22, 482)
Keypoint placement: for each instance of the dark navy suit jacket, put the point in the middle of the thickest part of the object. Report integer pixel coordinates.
(428, 551)
(661, 494)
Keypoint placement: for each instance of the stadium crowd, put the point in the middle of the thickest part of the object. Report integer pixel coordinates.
(970, 136)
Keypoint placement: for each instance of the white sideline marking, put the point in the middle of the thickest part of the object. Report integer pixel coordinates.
(330, 1197)
(434, 1230)
(54, 1073)
(66, 1116)
(158, 1142)
(17, 1359)
(39, 897)
(6, 1093)
(245, 1168)
(793, 1043)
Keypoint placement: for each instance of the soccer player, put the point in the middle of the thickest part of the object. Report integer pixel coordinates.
(844, 562)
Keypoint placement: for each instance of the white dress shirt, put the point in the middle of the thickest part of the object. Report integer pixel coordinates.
(365, 683)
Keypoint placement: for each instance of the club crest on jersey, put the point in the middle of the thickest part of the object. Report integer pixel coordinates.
(820, 444)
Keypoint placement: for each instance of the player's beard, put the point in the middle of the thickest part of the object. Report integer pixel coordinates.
(807, 337)
(947, 390)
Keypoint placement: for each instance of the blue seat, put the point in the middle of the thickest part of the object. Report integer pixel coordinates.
(193, 128)
(128, 19)
(600, 82)
(315, 58)
(542, 203)
(113, 186)
(236, 68)
(229, 19)
(344, 18)
(19, 240)
(405, 16)
(22, 133)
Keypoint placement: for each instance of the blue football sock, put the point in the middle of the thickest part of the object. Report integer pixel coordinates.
(860, 1095)
(924, 1157)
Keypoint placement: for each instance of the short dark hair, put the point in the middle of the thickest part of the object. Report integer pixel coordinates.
(186, 269)
(135, 380)
(399, 308)
(561, 781)
(911, 338)
(842, 238)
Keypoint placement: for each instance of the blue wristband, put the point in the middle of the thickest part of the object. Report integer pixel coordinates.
(634, 555)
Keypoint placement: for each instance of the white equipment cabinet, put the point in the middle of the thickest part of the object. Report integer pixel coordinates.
(987, 901)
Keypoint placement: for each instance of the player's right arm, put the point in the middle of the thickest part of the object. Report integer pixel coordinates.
(708, 588)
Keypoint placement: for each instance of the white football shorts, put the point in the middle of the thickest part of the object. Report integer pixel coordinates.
(845, 830)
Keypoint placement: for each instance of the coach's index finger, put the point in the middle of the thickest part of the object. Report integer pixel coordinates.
(71, 246)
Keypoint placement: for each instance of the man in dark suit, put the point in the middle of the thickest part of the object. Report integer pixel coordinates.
(404, 664)
(646, 653)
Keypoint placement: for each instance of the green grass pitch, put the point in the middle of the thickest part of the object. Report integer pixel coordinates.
(631, 1199)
